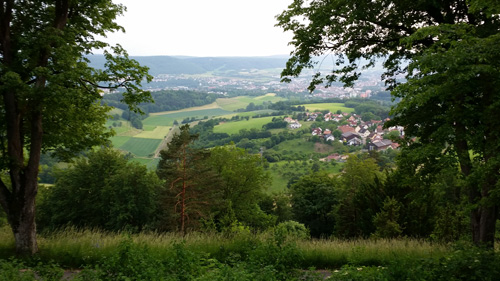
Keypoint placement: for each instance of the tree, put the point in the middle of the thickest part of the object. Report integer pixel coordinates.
(244, 181)
(450, 100)
(191, 184)
(102, 191)
(49, 93)
(313, 198)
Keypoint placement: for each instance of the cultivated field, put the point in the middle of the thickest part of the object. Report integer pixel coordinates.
(167, 119)
(235, 126)
(159, 132)
(333, 107)
(141, 147)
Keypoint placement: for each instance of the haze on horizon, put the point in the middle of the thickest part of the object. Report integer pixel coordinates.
(202, 28)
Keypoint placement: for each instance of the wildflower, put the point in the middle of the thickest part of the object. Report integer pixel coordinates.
(359, 268)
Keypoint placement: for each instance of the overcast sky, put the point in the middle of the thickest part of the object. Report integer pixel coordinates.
(202, 28)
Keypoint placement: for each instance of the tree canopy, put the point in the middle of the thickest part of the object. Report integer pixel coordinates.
(50, 94)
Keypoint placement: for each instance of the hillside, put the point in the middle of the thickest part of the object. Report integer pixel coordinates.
(199, 65)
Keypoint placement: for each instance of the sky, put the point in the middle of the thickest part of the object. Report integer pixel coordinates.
(202, 28)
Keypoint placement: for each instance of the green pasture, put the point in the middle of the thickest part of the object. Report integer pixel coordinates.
(333, 107)
(167, 119)
(119, 140)
(231, 104)
(159, 132)
(295, 146)
(235, 126)
(235, 103)
(141, 147)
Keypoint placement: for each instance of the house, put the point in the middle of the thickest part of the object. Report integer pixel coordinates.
(345, 129)
(351, 138)
(363, 132)
(327, 132)
(288, 120)
(295, 125)
(329, 137)
(317, 132)
(379, 145)
(331, 157)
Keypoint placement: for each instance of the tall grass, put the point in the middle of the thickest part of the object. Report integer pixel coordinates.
(75, 248)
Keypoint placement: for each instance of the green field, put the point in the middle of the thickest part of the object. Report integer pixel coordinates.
(232, 104)
(141, 147)
(235, 126)
(167, 119)
(333, 107)
(119, 140)
(159, 132)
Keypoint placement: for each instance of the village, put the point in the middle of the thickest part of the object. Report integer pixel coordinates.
(349, 129)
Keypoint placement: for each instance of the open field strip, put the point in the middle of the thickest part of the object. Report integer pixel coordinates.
(159, 132)
(141, 147)
(333, 107)
(236, 126)
(168, 119)
(231, 104)
(196, 108)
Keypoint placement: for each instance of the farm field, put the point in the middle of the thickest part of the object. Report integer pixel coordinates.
(167, 119)
(333, 107)
(141, 147)
(236, 126)
(159, 132)
(118, 141)
(235, 103)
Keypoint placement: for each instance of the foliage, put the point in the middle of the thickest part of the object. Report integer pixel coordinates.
(313, 199)
(50, 93)
(387, 220)
(191, 184)
(102, 191)
(449, 100)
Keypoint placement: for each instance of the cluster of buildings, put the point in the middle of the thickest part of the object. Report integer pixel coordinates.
(357, 132)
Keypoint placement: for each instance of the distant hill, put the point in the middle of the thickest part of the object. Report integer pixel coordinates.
(200, 65)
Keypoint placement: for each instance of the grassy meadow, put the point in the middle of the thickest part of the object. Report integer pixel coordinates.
(141, 147)
(333, 107)
(235, 126)
(167, 119)
(71, 248)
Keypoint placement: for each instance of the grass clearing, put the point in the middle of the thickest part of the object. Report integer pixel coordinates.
(196, 108)
(167, 119)
(235, 126)
(159, 132)
(141, 147)
(333, 107)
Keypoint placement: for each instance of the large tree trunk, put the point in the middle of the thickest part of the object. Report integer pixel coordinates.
(22, 220)
(483, 222)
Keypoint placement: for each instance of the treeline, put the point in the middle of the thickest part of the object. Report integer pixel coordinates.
(192, 189)
(249, 139)
(165, 100)
(224, 190)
